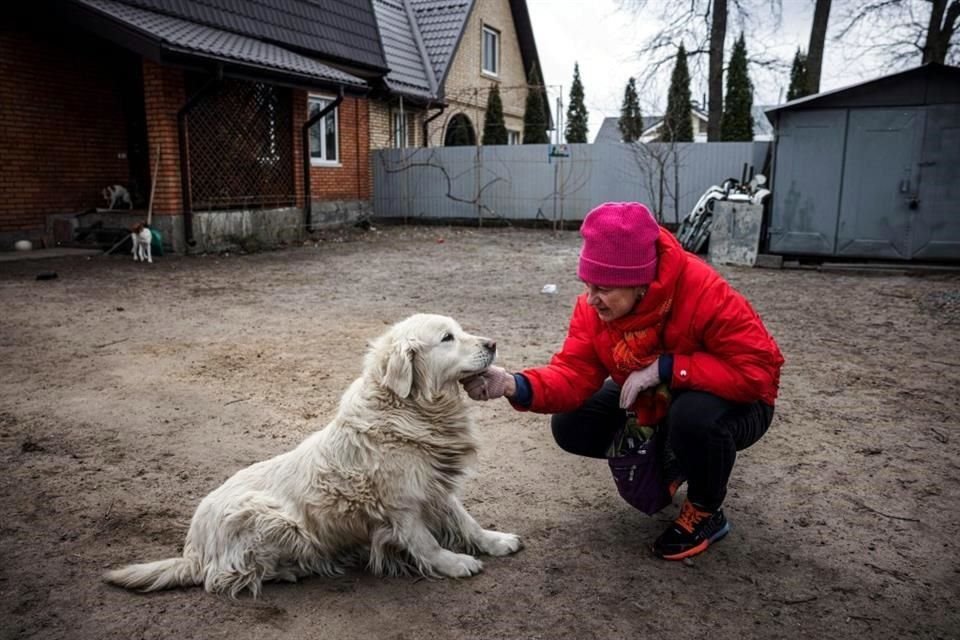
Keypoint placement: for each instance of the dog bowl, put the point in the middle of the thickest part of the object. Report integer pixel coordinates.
(23, 245)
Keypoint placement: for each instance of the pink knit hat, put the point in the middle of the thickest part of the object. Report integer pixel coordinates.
(619, 245)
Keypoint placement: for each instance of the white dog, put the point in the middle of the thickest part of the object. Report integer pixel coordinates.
(116, 194)
(141, 238)
(377, 483)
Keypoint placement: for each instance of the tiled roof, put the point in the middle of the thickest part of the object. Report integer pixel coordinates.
(441, 23)
(409, 73)
(610, 128)
(217, 44)
(342, 29)
(421, 37)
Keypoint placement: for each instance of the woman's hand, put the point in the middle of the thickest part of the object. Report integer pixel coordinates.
(637, 382)
(494, 382)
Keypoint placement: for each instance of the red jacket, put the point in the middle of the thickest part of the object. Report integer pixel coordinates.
(718, 342)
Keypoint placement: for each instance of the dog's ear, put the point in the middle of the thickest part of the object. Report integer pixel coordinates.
(398, 373)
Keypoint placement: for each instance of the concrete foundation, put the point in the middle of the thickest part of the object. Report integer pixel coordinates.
(329, 213)
(213, 231)
(248, 229)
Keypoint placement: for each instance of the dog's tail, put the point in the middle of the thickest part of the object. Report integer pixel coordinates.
(153, 576)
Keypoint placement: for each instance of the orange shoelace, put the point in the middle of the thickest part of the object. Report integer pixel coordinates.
(690, 517)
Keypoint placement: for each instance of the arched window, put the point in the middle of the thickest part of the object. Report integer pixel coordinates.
(459, 132)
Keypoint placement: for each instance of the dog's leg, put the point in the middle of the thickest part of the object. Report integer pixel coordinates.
(409, 533)
(460, 529)
(135, 245)
(264, 542)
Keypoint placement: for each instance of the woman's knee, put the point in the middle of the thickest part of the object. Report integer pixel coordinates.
(570, 434)
(691, 416)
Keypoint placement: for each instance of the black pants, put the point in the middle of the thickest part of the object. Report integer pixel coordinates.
(704, 431)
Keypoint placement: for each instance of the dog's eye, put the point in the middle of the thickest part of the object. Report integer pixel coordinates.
(447, 337)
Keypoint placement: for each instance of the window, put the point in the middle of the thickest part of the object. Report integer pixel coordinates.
(403, 129)
(491, 51)
(513, 137)
(324, 148)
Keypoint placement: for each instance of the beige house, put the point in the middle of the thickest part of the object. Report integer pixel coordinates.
(444, 57)
(610, 127)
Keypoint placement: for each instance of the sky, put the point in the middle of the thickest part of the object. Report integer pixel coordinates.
(604, 41)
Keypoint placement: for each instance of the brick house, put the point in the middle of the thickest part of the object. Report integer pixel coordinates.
(253, 114)
(444, 56)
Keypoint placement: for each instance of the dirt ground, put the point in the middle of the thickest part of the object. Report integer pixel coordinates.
(129, 391)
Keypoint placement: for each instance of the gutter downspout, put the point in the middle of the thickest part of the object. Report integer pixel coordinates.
(182, 138)
(426, 123)
(305, 140)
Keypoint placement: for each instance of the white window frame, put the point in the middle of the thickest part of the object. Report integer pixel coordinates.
(495, 72)
(322, 160)
(513, 137)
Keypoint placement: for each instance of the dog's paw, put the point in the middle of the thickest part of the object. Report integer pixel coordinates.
(495, 543)
(458, 565)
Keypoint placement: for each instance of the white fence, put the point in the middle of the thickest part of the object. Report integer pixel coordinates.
(522, 182)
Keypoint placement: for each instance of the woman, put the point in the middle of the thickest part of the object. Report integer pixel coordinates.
(658, 335)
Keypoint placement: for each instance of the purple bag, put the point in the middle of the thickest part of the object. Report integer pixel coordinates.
(639, 476)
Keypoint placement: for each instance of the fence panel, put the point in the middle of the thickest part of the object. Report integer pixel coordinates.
(522, 182)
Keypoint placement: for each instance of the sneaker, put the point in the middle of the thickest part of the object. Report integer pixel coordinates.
(691, 533)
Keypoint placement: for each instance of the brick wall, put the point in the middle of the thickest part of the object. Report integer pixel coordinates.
(350, 179)
(63, 129)
(466, 87)
(62, 133)
(164, 93)
(381, 124)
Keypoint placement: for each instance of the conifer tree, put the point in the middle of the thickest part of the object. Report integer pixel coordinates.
(631, 121)
(677, 125)
(535, 112)
(737, 122)
(494, 128)
(798, 76)
(576, 129)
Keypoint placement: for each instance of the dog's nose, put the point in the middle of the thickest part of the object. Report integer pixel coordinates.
(490, 345)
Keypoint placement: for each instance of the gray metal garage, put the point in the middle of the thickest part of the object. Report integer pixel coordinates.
(871, 170)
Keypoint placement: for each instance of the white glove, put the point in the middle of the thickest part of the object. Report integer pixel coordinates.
(637, 382)
(494, 382)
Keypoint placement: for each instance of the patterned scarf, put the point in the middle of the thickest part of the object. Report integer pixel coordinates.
(638, 336)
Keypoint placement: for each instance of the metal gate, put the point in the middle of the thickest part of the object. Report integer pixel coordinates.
(868, 183)
(806, 189)
(880, 183)
(935, 224)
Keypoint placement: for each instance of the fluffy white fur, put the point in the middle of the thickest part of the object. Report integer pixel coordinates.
(377, 484)
(141, 238)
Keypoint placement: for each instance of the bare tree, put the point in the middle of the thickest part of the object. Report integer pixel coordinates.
(940, 30)
(904, 32)
(659, 165)
(718, 34)
(700, 25)
(653, 160)
(818, 37)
